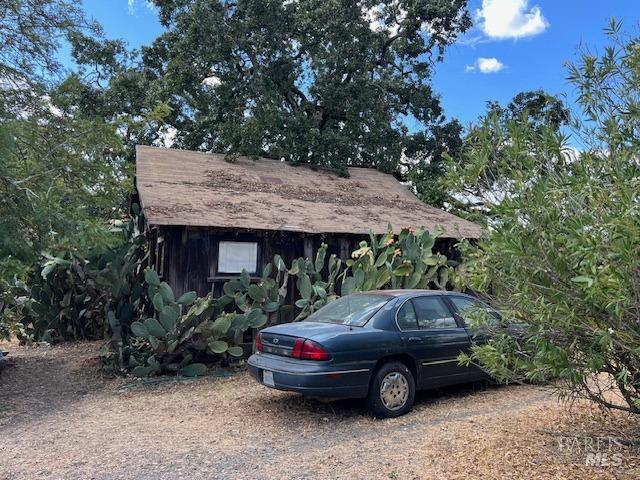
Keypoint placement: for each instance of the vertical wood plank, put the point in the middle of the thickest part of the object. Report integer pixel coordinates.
(343, 242)
(174, 270)
(308, 247)
(267, 251)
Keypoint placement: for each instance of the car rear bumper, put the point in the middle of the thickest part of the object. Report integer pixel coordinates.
(317, 379)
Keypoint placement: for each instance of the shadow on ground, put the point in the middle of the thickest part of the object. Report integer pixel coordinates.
(356, 408)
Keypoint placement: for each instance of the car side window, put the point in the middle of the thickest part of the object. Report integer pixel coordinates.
(407, 317)
(432, 312)
(468, 307)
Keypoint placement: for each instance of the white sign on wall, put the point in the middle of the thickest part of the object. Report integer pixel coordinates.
(233, 257)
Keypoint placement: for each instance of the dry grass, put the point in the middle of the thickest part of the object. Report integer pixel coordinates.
(60, 420)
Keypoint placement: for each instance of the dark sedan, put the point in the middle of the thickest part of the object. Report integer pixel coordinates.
(379, 345)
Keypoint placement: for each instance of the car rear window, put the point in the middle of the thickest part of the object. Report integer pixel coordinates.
(432, 312)
(407, 319)
(355, 310)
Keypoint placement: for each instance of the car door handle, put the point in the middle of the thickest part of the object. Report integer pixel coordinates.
(415, 340)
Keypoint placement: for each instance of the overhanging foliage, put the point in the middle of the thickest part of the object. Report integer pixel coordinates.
(563, 252)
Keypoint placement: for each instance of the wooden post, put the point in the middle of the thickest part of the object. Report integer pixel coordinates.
(344, 248)
(266, 253)
(308, 247)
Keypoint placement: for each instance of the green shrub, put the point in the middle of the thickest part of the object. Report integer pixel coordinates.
(563, 254)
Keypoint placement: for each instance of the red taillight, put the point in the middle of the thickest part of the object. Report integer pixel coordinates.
(308, 350)
(297, 348)
(259, 342)
(313, 351)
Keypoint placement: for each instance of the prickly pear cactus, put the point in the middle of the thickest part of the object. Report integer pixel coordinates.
(407, 261)
(315, 287)
(168, 332)
(183, 329)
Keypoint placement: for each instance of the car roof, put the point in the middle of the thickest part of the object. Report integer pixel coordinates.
(411, 292)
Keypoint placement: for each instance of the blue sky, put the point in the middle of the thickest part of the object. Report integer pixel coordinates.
(518, 44)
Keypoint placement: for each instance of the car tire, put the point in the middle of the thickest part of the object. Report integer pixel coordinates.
(392, 390)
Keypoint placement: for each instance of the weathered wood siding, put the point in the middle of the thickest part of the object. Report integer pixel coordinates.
(187, 257)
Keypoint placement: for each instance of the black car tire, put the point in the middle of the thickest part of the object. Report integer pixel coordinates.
(374, 400)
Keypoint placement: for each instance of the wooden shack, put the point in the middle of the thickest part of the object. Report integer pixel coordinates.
(207, 218)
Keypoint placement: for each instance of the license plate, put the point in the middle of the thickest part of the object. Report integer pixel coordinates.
(267, 378)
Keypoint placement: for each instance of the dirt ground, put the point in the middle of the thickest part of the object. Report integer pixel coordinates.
(60, 419)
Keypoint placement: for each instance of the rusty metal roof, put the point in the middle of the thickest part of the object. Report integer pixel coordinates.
(181, 187)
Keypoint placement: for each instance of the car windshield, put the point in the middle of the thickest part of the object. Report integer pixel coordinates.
(355, 310)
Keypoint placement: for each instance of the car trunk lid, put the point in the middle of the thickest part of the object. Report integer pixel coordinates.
(278, 344)
(281, 339)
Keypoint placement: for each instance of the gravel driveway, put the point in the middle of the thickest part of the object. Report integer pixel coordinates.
(59, 419)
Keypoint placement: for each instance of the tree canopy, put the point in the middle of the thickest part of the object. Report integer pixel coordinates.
(61, 173)
(329, 83)
(502, 155)
(30, 34)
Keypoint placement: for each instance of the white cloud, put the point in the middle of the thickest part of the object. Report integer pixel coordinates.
(489, 65)
(132, 5)
(510, 19)
(485, 65)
